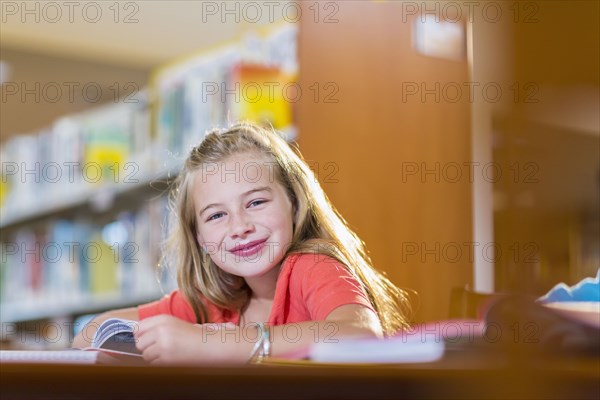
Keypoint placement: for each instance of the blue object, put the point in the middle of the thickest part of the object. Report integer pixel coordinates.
(586, 290)
(81, 322)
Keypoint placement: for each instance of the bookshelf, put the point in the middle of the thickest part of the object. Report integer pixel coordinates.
(83, 203)
(93, 199)
(83, 304)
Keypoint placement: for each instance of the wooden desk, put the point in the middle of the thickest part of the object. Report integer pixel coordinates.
(476, 379)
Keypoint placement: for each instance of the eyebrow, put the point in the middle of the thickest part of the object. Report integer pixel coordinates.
(249, 192)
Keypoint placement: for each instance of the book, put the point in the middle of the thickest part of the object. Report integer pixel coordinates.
(372, 350)
(113, 343)
(427, 342)
(48, 357)
(421, 343)
(116, 335)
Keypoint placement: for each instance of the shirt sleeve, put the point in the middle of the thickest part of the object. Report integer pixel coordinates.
(173, 304)
(327, 285)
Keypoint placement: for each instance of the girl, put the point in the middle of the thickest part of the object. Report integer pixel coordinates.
(266, 265)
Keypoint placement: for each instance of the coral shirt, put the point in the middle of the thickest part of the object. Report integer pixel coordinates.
(309, 287)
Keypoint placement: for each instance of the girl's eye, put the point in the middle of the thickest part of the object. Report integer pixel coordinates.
(215, 216)
(255, 203)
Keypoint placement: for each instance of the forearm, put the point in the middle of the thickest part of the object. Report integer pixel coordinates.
(289, 340)
(164, 339)
(296, 338)
(84, 337)
(345, 321)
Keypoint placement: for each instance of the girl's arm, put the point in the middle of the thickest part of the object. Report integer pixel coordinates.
(345, 321)
(166, 340)
(84, 337)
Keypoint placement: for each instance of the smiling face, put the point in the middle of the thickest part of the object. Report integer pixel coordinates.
(244, 215)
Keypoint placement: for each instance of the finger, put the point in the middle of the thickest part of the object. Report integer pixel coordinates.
(149, 324)
(143, 342)
(151, 355)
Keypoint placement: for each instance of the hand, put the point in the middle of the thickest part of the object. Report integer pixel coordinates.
(164, 339)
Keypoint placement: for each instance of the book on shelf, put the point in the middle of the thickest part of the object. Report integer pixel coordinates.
(106, 145)
(253, 79)
(110, 143)
(64, 264)
(68, 263)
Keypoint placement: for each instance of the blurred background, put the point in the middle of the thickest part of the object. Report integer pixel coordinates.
(460, 140)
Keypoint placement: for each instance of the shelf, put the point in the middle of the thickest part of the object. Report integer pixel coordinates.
(104, 200)
(44, 308)
(154, 135)
(98, 198)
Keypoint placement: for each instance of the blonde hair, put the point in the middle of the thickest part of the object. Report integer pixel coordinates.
(318, 229)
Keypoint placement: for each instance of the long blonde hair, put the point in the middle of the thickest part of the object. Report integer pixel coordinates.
(318, 229)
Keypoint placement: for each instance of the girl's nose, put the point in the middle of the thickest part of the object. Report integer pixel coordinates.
(240, 226)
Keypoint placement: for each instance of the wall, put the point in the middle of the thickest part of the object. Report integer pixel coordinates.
(39, 89)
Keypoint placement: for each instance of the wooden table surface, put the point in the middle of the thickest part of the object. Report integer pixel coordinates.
(456, 376)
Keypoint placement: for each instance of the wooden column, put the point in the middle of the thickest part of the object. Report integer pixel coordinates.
(365, 137)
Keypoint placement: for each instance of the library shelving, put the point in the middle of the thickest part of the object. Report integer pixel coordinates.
(84, 202)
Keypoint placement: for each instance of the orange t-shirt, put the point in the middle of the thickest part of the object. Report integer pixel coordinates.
(309, 287)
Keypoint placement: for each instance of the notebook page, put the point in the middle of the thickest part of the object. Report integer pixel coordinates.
(49, 357)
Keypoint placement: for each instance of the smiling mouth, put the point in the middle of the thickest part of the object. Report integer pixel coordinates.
(248, 249)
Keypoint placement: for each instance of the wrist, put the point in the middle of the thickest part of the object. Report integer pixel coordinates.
(262, 346)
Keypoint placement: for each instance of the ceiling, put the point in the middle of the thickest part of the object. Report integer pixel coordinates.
(135, 34)
(108, 43)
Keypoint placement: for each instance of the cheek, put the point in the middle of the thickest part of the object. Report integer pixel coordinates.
(286, 225)
(203, 236)
(210, 237)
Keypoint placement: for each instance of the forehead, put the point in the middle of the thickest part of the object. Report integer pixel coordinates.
(235, 174)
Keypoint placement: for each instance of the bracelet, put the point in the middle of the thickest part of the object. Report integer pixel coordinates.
(262, 348)
(258, 345)
(266, 344)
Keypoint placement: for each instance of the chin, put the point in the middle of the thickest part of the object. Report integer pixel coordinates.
(249, 268)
